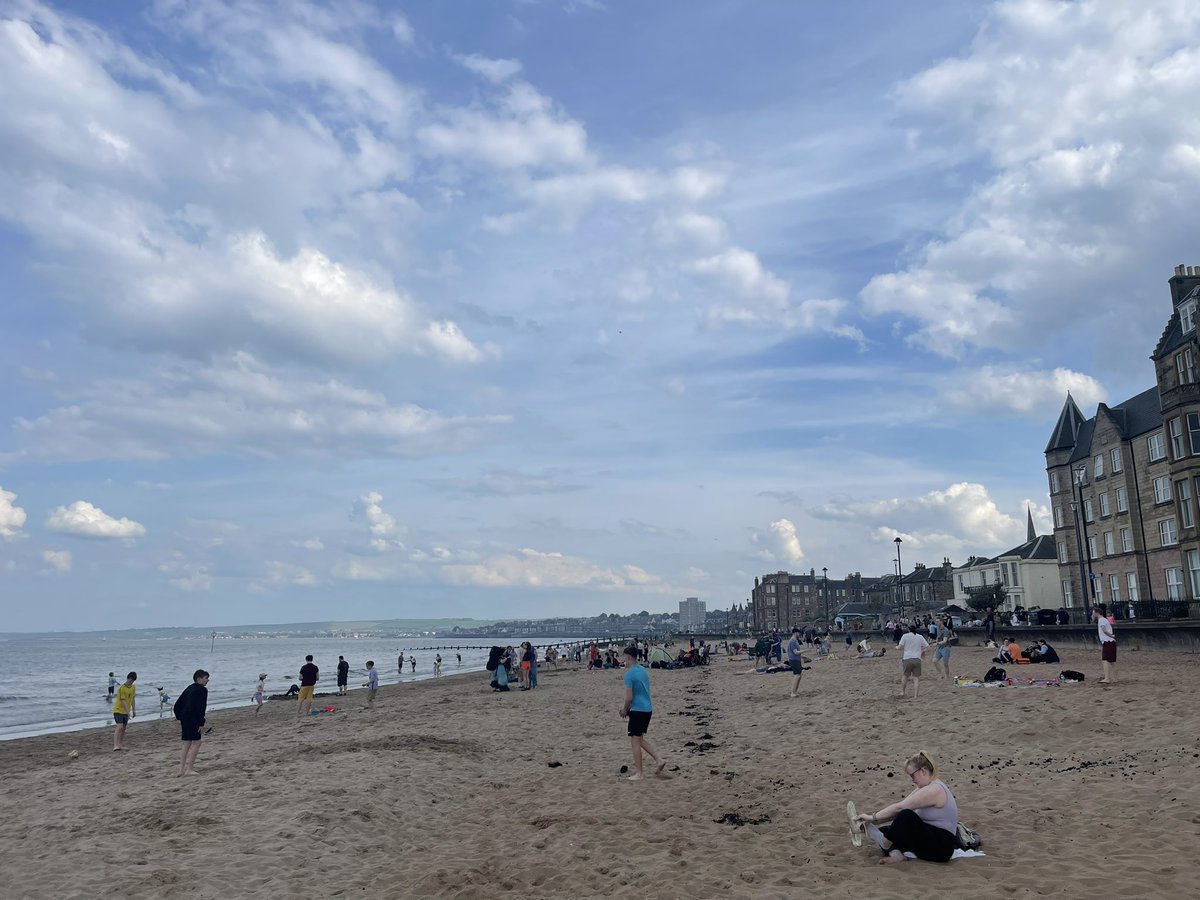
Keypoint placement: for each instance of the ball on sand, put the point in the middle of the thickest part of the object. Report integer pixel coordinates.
(74, 754)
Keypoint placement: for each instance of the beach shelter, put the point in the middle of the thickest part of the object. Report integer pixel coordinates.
(659, 655)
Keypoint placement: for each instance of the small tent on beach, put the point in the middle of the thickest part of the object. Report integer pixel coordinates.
(659, 658)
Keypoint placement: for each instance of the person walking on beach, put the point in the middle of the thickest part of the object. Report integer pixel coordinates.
(124, 709)
(941, 654)
(533, 654)
(343, 675)
(412, 661)
(989, 624)
(637, 711)
(795, 660)
(912, 651)
(260, 691)
(400, 663)
(1108, 643)
(372, 682)
(309, 675)
(437, 666)
(112, 685)
(190, 709)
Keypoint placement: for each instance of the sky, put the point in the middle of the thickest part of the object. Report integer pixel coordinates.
(519, 308)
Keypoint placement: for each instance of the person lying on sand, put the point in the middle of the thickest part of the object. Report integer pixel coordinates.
(924, 823)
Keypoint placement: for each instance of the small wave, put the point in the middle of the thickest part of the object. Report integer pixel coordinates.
(4, 698)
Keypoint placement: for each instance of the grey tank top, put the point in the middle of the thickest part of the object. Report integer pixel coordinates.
(946, 817)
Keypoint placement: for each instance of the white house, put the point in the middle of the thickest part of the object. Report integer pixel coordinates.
(1028, 573)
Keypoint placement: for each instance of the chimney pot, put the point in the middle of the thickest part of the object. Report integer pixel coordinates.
(1179, 270)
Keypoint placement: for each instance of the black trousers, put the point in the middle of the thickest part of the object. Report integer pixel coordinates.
(909, 833)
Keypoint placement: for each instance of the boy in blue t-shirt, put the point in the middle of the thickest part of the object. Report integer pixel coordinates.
(637, 710)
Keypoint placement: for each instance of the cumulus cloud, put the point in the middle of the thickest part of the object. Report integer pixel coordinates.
(505, 483)
(281, 574)
(779, 543)
(385, 531)
(85, 520)
(1084, 114)
(1031, 393)
(12, 517)
(963, 517)
(539, 569)
(59, 560)
(189, 578)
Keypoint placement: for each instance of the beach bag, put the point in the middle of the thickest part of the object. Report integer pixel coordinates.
(995, 674)
(968, 839)
(1068, 675)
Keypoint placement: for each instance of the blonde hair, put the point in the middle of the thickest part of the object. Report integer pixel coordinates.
(923, 760)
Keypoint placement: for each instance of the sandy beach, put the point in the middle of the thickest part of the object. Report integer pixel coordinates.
(446, 789)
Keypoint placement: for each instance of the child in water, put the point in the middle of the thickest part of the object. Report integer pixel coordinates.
(259, 691)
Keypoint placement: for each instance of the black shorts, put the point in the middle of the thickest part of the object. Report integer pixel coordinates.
(797, 666)
(341, 682)
(190, 731)
(121, 718)
(639, 723)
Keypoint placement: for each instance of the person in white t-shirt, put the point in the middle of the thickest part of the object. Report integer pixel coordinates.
(912, 650)
(1108, 644)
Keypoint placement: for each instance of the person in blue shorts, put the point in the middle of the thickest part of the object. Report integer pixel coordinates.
(637, 711)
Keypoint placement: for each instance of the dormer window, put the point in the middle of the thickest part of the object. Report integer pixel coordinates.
(1187, 316)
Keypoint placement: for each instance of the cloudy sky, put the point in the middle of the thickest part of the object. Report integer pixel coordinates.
(522, 308)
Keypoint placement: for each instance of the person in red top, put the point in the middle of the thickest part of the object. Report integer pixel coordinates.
(309, 675)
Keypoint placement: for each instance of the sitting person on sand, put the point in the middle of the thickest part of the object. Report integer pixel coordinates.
(871, 654)
(925, 823)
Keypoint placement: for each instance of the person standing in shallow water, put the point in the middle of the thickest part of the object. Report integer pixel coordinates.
(637, 711)
(190, 710)
(343, 675)
(124, 709)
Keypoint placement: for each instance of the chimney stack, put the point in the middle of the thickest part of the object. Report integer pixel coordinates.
(1179, 270)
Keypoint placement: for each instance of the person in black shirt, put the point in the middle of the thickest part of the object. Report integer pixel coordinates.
(189, 710)
(309, 674)
(343, 674)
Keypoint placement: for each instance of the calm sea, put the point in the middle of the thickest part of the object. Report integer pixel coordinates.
(61, 683)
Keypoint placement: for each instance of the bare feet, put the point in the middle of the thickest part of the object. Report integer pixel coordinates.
(634, 777)
(892, 858)
(661, 770)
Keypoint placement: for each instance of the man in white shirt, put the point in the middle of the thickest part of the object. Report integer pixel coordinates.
(1108, 643)
(912, 650)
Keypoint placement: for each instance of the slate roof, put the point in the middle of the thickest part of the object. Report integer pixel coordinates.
(855, 609)
(1041, 547)
(1172, 337)
(1067, 429)
(1138, 415)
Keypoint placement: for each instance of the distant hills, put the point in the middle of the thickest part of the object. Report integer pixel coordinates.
(391, 626)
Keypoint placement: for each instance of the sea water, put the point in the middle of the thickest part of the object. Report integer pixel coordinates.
(61, 683)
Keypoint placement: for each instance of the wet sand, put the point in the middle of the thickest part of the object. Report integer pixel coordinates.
(446, 789)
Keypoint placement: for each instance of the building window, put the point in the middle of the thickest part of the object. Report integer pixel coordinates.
(1193, 423)
(1122, 501)
(1098, 587)
(1088, 516)
(1133, 591)
(1156, 447)
(1104, 510)
(1187, 316)
(1177, 450)
(1067, 601)
(1109, 548)
(1185, 363)
(1175, 583)
(1016, 577)
(1162, 489)
(1058, 517)
(770, 588)
(1092, 547)
(1184, 492)
(1166, 532)
(1004, 573)
(1115, 455)
(1054, 485)
(1126, 540)
(1099, 465)
(1114, 588)
(1062, 551)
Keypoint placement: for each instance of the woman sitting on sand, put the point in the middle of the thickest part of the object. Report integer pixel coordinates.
(924, 823)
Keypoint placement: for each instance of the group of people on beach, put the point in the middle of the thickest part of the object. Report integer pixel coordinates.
(189, 709)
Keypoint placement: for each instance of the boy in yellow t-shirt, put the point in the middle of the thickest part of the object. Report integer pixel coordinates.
(124, 709)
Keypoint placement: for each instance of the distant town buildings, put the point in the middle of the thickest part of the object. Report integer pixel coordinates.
(1124, 483)
(1026, 575)
(691, 615)
(781, 600)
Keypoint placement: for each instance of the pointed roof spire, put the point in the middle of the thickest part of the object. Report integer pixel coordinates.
(1030, 531)
(1067, 428)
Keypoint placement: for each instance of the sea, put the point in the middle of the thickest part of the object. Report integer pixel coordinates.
(60, 683)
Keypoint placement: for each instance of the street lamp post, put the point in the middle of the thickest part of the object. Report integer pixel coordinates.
(825, 572)
(1086, 548)
(899, 580)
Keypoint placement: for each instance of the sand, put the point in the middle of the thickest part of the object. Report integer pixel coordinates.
(446, 789)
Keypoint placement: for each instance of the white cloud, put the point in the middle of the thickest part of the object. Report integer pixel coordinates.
(12, 517)
(237, 405)
(963, 517)
(780, 543)
(85, 520)
(1085, 113)
(190, 578)
(310, 544)
(505, 483)
(385, 531)
(282, 574)
(59, 560)
(494, 70)
(1038, 394)
(540, 569)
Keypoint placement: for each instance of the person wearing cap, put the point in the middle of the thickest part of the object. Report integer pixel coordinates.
(259, 691)
(189, 710)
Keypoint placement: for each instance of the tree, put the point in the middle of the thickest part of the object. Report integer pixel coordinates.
(990, 597)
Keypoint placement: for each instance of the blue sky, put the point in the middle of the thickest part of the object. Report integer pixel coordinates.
(528, 308)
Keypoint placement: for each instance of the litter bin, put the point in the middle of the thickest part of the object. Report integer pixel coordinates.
(1047, 617)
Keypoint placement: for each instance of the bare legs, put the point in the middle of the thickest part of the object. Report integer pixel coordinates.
(1105, 664)
(639, 744)
(796, 687)
(916, 681)
(187, 763)
(119, 735)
